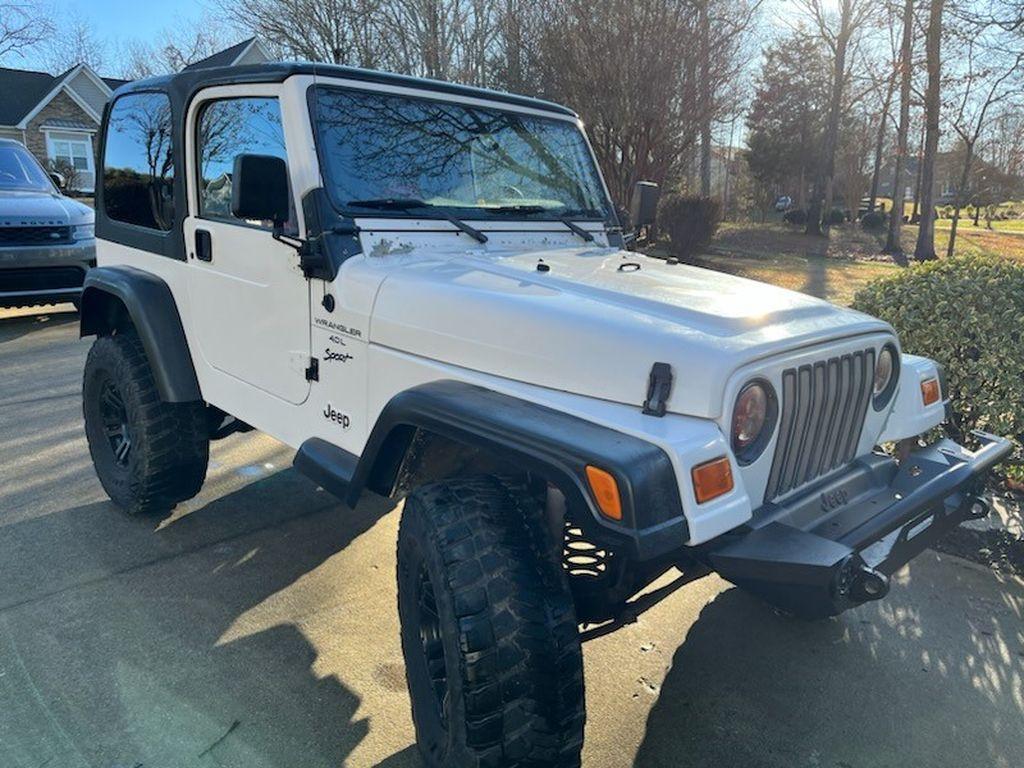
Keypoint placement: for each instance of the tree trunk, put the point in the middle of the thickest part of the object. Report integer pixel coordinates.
(880, 141)
(925, 249)
(893, 245)
(965, 174)
(826, 169)
(705, 91)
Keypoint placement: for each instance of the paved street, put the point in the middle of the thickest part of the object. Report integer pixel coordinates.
(255, 627)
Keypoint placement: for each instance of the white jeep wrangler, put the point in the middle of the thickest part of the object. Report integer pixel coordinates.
(422, 288)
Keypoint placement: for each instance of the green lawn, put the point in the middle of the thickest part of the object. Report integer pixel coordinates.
(836, 267)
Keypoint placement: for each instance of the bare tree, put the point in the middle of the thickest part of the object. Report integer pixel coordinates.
(925, 248)
(74, 42)
(893, 244)
(984, 85)
(177, 46)
(839, 30)
(24, 24)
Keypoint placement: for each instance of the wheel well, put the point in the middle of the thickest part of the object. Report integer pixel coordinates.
(103, 313)
(412, 456)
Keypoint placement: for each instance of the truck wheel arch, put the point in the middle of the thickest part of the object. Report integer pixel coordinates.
(115, 298)
(533, 438)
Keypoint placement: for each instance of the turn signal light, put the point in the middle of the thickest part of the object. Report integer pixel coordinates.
(606, 492)
(712, 479)
(930, 391)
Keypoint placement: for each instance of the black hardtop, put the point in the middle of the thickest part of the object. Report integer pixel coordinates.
(183, 85)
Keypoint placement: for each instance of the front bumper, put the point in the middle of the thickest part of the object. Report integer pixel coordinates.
(835, 547)
(44, 274)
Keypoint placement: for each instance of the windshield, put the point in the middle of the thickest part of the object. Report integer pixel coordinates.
(476, 162)
(20, 171)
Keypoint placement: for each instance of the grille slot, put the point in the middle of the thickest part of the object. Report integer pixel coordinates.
(823, 410)
(34, 235)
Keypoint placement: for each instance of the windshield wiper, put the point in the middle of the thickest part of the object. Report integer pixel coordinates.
(576, 229)
(411, 203)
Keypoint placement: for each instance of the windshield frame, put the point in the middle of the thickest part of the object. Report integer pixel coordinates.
(48, 188)
(467, 213)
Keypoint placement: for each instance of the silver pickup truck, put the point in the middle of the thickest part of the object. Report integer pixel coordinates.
(47, 240)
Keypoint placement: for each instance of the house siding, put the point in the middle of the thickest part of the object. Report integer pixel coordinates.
(61, 107)
(12, 133)
(85, 87)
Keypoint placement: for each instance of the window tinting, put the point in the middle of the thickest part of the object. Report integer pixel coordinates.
(138, 163)
(228, 128)
(475, 161)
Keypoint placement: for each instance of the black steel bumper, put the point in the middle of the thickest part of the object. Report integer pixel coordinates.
(835, 547)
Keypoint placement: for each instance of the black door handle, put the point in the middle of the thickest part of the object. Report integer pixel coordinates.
(204, 245)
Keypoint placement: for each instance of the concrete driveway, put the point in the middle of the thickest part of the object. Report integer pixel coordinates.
(256, 627)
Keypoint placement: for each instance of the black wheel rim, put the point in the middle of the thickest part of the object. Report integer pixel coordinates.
(431, 644)
(115, 423)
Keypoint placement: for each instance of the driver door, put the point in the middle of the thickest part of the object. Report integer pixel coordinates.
(249, 299)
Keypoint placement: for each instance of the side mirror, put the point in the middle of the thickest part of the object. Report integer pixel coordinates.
(259, 189)
(57, 179)
(644, 206)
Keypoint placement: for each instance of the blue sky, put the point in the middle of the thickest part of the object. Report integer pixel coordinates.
(116, 22)
(131, 18)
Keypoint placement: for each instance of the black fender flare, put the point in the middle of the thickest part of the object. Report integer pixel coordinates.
(150, 306)
(541, 440)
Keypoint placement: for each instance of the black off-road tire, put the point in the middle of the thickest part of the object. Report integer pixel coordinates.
(168, 447)
(497, 679)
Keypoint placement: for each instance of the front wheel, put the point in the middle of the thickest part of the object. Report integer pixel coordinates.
(489, 635)
(148, 454)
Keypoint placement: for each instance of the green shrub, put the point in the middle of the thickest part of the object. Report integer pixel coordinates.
(872, 220)
(835, 216)
(797, 216)
(968, 314)
(690, 222)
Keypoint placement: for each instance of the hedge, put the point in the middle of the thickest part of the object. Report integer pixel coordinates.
(690, 222)
(968, 314)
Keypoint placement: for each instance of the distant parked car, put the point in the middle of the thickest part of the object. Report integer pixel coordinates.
(47, 240)
(783, 202)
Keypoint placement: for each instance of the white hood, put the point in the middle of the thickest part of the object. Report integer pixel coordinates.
(594, 324)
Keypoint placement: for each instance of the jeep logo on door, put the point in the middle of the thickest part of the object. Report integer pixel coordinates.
(337, 417)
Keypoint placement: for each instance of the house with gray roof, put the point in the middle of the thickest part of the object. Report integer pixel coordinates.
(57, 117)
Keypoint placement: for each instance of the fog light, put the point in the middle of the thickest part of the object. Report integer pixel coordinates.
(930, 391)
(606, 492)
(712, 479)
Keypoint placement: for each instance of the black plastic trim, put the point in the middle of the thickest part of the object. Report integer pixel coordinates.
(549, 443)
(154, 314)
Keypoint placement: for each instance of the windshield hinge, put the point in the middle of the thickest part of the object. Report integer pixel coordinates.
(313, 371)
(659, 387)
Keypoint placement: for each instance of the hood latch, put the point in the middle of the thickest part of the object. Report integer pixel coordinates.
(659, 387)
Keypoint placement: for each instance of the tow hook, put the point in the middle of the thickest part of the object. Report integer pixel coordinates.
(868, 584)
(978, 509)
(859, 583)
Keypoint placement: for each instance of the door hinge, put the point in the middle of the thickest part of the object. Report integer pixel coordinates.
(313, 371)
(659, 387)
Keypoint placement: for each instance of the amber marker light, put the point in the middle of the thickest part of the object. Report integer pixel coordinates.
(606, 492)
(712, 479)
(930, 391)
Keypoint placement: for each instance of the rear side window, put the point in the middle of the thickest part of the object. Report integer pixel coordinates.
(228, 128)
(138, 162)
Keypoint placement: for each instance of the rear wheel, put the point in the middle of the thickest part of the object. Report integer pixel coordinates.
(489, 635)
(148, 454)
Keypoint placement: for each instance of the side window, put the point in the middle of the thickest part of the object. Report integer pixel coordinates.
(228, 128)
(138, 162)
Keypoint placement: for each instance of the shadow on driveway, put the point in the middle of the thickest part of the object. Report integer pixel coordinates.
(122, 645)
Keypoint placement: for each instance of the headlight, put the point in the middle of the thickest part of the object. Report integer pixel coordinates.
(753, 418)
(83, 231)
(886, 375)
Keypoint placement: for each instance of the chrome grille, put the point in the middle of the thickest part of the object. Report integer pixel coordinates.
(823, 410)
